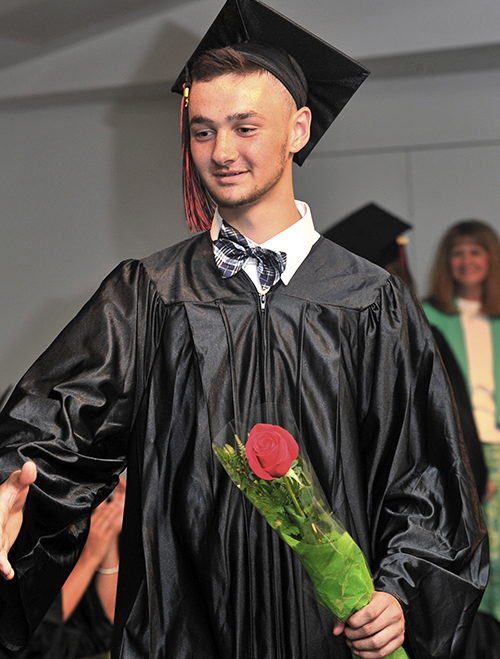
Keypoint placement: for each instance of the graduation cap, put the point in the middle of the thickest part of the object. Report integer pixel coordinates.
(331, 77)
(375, 234)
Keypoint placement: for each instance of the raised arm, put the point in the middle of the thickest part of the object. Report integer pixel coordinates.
(100, 557)
(13, 493)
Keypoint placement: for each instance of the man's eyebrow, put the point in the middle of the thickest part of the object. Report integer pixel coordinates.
(238, 116)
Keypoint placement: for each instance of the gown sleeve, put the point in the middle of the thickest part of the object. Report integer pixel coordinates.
(429, 542)
(71, 414)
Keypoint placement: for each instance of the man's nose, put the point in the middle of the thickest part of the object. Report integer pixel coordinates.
(224, 149)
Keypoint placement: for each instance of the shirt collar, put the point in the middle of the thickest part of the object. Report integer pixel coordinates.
(296, 241)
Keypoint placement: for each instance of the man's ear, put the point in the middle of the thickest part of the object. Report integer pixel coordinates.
(301, 129)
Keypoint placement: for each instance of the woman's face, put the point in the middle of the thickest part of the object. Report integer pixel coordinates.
(469, 263)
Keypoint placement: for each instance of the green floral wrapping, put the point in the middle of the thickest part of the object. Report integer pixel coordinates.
(283, 487)
(339, 573)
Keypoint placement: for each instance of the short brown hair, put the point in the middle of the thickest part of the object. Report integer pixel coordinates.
(442, 285)
(222, 61)
(229, 61)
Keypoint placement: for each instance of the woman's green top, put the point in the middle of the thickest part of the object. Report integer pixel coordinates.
(450, 326)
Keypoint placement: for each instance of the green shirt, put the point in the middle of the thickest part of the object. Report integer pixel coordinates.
(451, 327)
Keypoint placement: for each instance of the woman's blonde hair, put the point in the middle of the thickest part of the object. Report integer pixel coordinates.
(442, 285)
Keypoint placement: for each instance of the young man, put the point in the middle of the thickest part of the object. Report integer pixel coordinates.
(173, 348)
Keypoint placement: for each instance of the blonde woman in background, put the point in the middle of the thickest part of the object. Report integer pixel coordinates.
(465, 306)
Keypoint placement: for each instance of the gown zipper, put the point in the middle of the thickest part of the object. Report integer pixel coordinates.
(265, 388)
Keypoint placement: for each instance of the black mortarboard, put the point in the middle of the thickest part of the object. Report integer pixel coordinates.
(332, 77)
(370, 232)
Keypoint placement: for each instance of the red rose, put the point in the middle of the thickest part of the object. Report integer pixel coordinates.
(270, 451)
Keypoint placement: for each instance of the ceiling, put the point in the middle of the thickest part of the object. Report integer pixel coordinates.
(33, 28)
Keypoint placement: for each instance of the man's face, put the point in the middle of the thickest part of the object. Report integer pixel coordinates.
(240, 137)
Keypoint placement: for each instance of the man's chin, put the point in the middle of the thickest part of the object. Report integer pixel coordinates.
(232, 204)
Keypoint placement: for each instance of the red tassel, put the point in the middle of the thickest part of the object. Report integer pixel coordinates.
(198, 205)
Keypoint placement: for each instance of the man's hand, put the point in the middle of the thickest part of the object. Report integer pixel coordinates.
(13, 493)
(377, 629)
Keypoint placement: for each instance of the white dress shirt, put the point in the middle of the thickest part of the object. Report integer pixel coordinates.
(479, 347)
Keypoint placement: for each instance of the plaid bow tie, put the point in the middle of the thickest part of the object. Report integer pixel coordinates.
(232, 249)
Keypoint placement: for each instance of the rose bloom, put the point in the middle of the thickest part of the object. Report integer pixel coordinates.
(270, 451)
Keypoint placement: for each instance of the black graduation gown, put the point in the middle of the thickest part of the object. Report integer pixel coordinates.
(154, 366)
(465, 413)
(86, 633)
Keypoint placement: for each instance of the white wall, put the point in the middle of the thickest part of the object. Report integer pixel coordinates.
(87, 179)
(427, 149)
(82, 186)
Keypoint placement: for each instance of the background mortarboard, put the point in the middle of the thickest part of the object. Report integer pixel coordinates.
(370, 232)
(332, 77)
